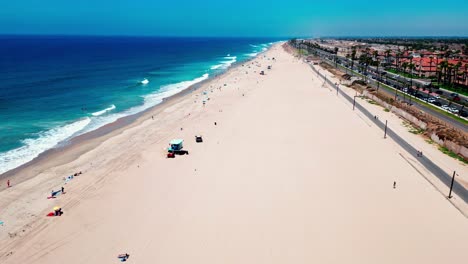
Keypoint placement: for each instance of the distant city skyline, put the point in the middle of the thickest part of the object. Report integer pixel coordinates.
(239, 18)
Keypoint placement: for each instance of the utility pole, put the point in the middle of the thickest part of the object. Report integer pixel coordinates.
(385, 132)
(354, 102)
(378, 81)
(451, 185)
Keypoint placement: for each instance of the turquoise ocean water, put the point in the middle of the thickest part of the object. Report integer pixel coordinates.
(53, 88)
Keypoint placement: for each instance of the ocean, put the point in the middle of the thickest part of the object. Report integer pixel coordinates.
(53, 88)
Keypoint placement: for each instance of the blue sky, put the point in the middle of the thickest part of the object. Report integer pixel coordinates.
(236, 17)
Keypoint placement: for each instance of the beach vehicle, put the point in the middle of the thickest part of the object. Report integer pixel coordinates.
(198, 139)
(176, 147)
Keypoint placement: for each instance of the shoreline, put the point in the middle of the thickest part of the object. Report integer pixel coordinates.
(76, 146)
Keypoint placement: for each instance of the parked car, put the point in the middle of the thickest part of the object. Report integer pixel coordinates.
(437, 103)
(453, 110)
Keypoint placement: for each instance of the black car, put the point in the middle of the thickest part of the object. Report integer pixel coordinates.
(437, 103)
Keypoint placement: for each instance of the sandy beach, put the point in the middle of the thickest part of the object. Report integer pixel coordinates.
(286, 173)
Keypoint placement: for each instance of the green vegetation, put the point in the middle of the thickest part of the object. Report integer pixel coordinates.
(452, 154)
(387, 110)
(430, 141)
(302, 52)
(455, 89)
(372, 102)
(412, 129)
(407, 75)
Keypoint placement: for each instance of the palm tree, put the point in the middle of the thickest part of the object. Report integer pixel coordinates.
(430, 65)
(420, 64)
(404, 65)
(410, 62)
(387, 55)
(466, 72)
(353, 56)
(456, 73)
(442, 71)
(448, 73)
(398, 56)
(411, 68)
(368, 62)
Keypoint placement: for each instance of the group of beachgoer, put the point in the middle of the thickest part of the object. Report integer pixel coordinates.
(54, 193)
(58, 210)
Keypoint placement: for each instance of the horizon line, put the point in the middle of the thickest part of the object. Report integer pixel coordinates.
(235, 36)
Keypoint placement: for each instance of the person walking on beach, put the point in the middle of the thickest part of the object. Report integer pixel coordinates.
(63, 190)
(394, 185)
(8, 184)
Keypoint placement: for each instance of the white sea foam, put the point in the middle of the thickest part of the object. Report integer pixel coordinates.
(149, 100)
(253, 54)
(171, 89)
(98, 113)
(145, 81)
(216, 66)
(225, 63)
(33, 147)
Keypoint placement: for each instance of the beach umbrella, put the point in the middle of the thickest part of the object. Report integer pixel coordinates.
(56, 208)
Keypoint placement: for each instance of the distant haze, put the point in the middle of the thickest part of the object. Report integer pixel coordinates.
(236, 18)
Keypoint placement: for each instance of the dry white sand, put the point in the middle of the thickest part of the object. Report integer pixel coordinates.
(288, 175)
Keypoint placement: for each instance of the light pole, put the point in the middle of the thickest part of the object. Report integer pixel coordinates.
(385, 132)
(451, 185)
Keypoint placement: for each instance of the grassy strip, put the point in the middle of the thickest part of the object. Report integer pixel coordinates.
(407, 75)
(452, 89)
(412, 129)
(452, 154)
